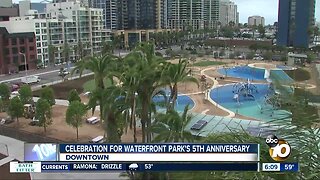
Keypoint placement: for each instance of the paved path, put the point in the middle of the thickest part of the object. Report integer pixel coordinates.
(215, 85)
(16, 151)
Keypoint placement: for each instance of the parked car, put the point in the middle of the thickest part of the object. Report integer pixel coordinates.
(30, 79)
(64, 72)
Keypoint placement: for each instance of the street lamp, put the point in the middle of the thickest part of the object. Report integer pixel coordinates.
(25, 62)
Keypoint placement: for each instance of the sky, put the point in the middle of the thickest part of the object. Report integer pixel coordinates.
(266, 8)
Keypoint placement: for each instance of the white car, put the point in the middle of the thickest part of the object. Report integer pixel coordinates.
(30, 79)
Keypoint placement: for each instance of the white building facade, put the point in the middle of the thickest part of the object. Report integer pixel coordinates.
(5, 3)
(228, 13)
(192, 14)
(66, 24)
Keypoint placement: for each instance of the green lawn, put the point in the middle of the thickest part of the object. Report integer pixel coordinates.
(90, 85)
(299, 74)
(208, 63)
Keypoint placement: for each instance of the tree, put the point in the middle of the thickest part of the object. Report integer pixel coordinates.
(43, 113)
(103, 68)
(66, 51)
(254, 47)
(52, 53)
(107, 48)
(75, 114)
(73, 96)
(111, 107)
(1, 105)
(150, 67)
(261, 31)
(174, 74)
(170, 127)
(4, 91)
(25, 94)
(48, 94)
(15, 109)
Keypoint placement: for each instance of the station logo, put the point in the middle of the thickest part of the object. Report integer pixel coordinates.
(279, 149)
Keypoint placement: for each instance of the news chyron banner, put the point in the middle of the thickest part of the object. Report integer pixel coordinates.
(138, 157)
(159, 152)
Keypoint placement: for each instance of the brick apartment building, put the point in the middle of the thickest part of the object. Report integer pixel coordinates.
(11, 47)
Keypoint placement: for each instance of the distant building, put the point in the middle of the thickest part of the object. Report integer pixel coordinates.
(296, 59)
(13, 44)
(24, 7)
(40, 7)
(295, 17)
(193, 15)
(256, 21)
(7, 12)
(110, 12)
(63, 23)
(6, 3)
(228, 13)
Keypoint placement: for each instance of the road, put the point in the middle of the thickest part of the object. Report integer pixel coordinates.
(47, 75)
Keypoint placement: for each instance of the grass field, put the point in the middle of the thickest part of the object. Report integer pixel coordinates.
(208, 63)
(90, 85)
(299, 74)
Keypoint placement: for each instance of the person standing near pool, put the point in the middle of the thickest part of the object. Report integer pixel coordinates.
(236, 97)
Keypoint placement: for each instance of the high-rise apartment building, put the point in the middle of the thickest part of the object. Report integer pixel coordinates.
(193, 14)
(63, 23)
(24, 7)
(256, 21)
(228, 12)
(6, 3)
(295, 17)
(110, 12)
(132, 14)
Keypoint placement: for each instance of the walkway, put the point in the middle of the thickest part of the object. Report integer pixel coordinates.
(215, 84)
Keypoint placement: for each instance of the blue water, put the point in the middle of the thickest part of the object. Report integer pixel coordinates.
(181, 103)
(251, 108)
(246, 72)
(243, 72)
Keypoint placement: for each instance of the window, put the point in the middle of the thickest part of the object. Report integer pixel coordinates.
(43, 24)
(39, 51)
(44, 37)
(6, 51)
(38, 38)
(31, 48)
(44, 44)
(37, 25)
(38, 44)
(21, 41)
(22, 49)
(15, 50)
(44, 31)
(16, 59)
(14, 41)
(37, 31)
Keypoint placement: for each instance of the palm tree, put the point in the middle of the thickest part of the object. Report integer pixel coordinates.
(66, 52)
(80, 50)
(52, 53)
(150, 68)
(102, 67)
(111, 108)
(170, 127)
(172, 75)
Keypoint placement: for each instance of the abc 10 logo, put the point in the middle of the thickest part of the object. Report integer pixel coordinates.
(279, 149)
